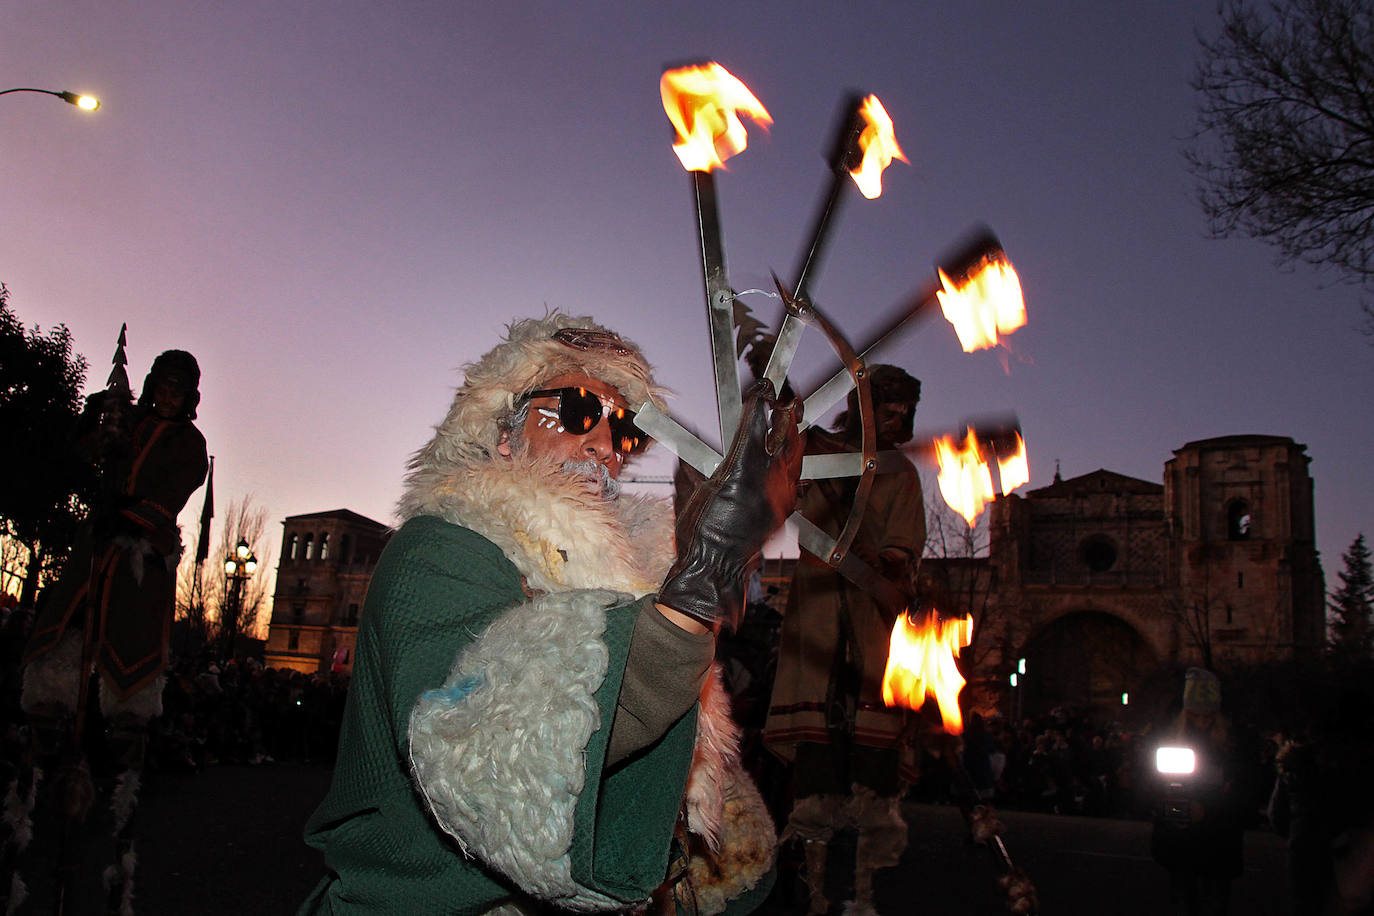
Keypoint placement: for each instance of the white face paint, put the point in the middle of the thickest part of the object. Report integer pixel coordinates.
(544, 433)
(548, 419)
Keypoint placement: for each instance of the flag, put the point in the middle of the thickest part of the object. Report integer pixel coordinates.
(207, 513)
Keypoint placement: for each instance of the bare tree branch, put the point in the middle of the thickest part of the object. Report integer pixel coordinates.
(960, 575)
(202, 591)
(1284, 149)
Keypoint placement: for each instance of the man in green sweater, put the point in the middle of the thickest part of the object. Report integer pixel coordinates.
(533, 701)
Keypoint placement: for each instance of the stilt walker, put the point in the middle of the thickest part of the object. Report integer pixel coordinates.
(827, 716)
(106, 623)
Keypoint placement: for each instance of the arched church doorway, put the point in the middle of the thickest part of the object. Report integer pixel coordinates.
(1087, 660)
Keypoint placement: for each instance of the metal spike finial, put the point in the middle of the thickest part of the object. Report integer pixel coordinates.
(118, 382)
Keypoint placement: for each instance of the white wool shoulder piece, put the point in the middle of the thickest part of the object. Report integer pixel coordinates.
(558, 534)
(497, 751)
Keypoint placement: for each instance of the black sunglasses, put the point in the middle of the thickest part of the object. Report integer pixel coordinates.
(579, 411)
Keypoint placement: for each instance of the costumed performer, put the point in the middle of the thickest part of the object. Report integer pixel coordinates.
(122, 571)
(827, 716)
(533, 702)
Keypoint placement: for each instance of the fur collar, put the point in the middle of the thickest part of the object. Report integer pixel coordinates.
(560, 535)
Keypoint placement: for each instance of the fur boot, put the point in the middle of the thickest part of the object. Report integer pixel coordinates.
(128, 742)
(882, 840)
(814, 821)
(815, 876)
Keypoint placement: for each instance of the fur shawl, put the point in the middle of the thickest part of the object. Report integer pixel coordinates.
(559, 533)
(570, 545)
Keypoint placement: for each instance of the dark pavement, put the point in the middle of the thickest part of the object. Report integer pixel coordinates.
(228, 841)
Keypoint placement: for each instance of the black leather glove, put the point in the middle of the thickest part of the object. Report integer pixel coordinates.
(725, 523)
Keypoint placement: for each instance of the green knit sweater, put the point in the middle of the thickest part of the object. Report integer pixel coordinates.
(436, 589)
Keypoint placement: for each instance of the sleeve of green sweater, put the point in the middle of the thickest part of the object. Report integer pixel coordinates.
(664, 674)
(510, 754)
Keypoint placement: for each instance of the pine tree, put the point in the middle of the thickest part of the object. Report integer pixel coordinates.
(1351, 605)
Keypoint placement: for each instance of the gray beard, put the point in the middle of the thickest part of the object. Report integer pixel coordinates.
(594, 472)
(590, 470)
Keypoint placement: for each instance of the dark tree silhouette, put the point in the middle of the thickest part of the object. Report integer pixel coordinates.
(1351, 605)
(1284, 150)
(44, 485)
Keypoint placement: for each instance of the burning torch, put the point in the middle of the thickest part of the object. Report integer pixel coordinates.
(979, 294)
(703, 103)
(921, 665)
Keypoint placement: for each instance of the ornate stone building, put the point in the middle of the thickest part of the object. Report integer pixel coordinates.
(1241, 521)
(327, 561)
(1103, 582)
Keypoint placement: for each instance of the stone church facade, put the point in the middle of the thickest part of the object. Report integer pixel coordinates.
(1101, 583)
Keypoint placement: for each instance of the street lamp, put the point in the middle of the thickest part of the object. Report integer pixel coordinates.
(238, 569)
(84, 102)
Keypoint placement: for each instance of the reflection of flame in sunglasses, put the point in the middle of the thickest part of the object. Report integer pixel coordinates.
(579, 410)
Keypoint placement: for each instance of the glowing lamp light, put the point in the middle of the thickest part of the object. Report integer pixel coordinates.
(241, 564)
(239, 567)
(80, 100)
(703, 103)
(1175, 761)
(879, 145)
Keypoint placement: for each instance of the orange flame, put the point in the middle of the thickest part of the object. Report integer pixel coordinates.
(1014, 470)
(703, 103)
(965, 478)
(879, 145)
(986, 304)
(966, 475)
(920, 663)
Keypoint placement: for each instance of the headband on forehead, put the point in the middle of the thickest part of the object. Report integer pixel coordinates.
(591, 339)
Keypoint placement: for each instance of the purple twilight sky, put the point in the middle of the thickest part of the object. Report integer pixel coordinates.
(335, 206)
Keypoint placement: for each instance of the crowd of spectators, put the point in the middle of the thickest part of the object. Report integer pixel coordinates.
(241, 712)
(244, 713)
(214, 711)
(1064, 763)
